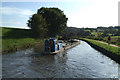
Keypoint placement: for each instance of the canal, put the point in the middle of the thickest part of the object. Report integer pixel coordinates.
(81, 61)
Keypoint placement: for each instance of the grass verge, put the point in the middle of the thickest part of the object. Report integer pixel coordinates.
(105, 46)
(14, 39)
(9, 45)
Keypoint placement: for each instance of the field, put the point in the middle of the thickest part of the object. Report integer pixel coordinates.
(114, 40)
(13, 38)
(105, 46)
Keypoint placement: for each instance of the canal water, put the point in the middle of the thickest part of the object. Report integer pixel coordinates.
(81, 61)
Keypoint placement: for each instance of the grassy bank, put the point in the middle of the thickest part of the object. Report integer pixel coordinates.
(114, 39)
(14, 39)
(105, 46)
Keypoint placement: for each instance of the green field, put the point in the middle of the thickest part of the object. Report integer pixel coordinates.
(114, 40)
(105, 46)
(15, 33)
(116, 37)
(13, 38)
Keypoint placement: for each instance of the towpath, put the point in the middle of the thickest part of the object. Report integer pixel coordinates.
(107, 43)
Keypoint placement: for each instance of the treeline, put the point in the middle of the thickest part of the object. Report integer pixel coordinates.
(93, 32)
(99, 33)
(113, 31)
(73, 32)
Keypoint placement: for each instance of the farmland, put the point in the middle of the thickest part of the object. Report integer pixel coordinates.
(99, 33)
(14, 39)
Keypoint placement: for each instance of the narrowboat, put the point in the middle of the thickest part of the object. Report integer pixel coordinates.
(52, 46)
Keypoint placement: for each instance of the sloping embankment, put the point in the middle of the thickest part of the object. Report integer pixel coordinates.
(15, 39)
(111, 55)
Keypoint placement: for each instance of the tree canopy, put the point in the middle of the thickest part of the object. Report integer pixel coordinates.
(38, 25)
(50, 20)
(55, 18)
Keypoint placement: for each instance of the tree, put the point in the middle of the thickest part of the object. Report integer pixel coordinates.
(38, 25)
(55, 18)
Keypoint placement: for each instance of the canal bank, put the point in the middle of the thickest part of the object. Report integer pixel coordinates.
(15, 39)
(20, 47)
(110, 54)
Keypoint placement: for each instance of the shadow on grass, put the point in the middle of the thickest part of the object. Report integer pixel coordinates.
(13, 33)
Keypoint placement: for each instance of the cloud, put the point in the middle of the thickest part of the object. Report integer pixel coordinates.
(17, 24)
(12, 16)
(13, 11)
(99, 13)
(44, 0)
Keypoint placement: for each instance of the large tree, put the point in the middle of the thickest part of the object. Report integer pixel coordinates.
(38, 25)
(55, 18)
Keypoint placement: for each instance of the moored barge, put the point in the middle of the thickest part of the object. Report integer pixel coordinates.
(53, 46)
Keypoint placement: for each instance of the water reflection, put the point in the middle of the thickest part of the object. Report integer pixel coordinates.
(119, 72)
(81, 61)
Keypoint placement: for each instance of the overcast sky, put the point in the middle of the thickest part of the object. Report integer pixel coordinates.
(80, 13)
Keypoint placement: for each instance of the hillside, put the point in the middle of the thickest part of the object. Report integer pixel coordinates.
(14, 39)
(15, 33)
(99, 33)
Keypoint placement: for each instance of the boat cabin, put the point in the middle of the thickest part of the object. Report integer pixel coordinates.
(52, 45)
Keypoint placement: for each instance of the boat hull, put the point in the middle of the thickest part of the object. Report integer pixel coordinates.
(64, 48)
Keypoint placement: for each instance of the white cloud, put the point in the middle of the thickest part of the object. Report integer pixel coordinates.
(18, 19)
(12, 11)
(43, 0)
(99, 13)
(11, 23)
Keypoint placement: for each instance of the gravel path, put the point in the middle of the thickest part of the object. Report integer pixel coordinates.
(107, 43)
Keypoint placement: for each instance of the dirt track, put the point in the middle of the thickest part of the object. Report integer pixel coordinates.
(107, 43)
